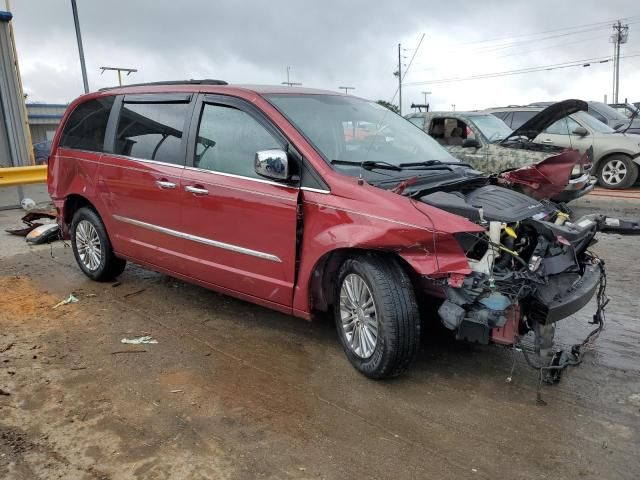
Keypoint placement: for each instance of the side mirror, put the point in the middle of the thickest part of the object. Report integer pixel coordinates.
(471, 143)
(273, 164)
(581, 132)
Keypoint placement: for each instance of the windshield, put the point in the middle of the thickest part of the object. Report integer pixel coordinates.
(491, 127)
(592, 123)
(607, 111)
(349, 129)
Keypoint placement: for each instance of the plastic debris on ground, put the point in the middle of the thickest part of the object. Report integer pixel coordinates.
(29, 219)
(43, 233)
(139, 340)
(27, 204)
(70, 299)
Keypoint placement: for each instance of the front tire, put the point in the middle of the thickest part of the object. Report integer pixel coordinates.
(92, 247)
(617, 172)
(377, 316)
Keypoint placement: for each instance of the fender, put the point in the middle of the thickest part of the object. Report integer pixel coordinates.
(330, 225)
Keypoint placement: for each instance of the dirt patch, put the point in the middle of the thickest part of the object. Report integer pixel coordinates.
(19, 297)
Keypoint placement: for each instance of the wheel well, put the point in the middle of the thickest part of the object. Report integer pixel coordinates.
(323, 276)
(72, 204)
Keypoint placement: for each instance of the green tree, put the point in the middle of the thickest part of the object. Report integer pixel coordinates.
(394, 108)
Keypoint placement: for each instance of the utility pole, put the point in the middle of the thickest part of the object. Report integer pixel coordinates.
(620, 35)
(346, 89)
(400, 79)
(289, 82)
(74, 8)
(129, 71)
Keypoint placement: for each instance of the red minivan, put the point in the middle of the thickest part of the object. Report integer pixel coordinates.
(269, 194)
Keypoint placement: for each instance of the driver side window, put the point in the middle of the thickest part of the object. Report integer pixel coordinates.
(228, 140)
(564, 126)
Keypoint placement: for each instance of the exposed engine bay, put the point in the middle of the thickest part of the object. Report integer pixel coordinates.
(529, 270)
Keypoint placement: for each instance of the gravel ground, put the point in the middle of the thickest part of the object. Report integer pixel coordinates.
(232, 390)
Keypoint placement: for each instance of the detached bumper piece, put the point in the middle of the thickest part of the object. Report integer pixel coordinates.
(617, 225)
(560, 360)
(564, 295)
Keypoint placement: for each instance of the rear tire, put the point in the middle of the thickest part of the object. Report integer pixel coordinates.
(375, 298)
(617, 172)
(92, 247)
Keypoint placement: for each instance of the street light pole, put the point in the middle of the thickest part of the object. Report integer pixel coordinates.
(129, 71)
(453, 105)
(289, 82)
(346, 89)
(399, 79)
(83, 67)
(425, 97)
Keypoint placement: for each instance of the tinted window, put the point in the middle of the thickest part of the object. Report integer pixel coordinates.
(228, 140)
(87, 124)
(152, 131)
(564, 126)
(500, 115)
(519, 118)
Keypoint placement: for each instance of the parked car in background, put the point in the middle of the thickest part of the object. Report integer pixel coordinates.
(615, 156)
(480, 139)
(263, 194)
(602, 112)
(41, 151)
(626, 109)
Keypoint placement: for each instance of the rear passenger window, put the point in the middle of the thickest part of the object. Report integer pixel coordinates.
(87, 124)
(519, 118)
(228, 140)
(152, 131)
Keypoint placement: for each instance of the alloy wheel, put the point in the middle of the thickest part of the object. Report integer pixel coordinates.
(614, 172)
(358, 316)
(88, 245)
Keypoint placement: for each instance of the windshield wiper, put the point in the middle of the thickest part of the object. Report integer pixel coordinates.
(369, 164)
(433, 165)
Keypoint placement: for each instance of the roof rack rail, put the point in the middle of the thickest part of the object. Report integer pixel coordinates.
(204, 81)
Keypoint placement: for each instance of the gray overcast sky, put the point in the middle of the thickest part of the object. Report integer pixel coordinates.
(332, 43)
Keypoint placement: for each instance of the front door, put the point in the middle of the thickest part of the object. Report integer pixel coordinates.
(242, 226)
(560, 134)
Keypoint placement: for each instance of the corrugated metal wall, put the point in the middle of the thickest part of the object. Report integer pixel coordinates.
(13, 145)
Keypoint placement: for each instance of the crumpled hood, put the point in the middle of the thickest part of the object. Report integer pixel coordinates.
(532, 128)
(547, 178)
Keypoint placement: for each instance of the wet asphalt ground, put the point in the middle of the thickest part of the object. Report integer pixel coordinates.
(233, 390)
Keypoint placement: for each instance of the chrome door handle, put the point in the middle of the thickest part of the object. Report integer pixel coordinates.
(165, 185)
(546, 140)
(196, 190)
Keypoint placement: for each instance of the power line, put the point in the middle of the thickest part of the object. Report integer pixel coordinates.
(508, 45)
(555, 45)
(556, 66)
(606, 23)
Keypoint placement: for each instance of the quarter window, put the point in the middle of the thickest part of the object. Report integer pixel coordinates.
(228, 140)
(152, 131)
(87, 124)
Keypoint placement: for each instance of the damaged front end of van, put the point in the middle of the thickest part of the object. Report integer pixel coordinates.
(530, 269)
